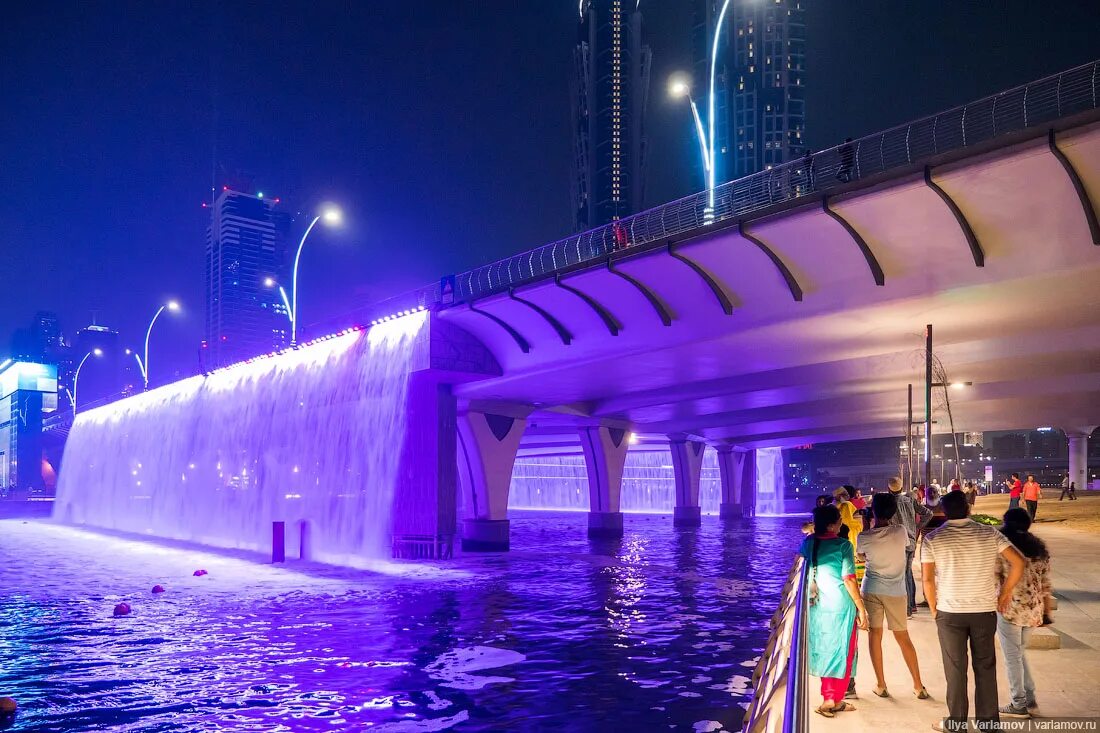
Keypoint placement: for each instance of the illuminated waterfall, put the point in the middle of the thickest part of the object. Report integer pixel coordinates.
(560, 482)
(769, 480)
(310, 435)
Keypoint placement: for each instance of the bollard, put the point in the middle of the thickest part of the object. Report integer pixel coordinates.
(278, 542)
(304, 548)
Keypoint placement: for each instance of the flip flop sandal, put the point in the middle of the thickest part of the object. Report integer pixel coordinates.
(884, 693)
(922, 694)
(844, 707)
(824, 711)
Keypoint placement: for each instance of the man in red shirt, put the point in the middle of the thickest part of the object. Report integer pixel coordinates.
(1031, 493)
(1015, 488)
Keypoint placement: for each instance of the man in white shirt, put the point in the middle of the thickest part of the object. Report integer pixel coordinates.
(884, 594)
(959, 563)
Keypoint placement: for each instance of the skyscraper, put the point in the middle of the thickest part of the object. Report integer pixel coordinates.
(610, 91)
(245, 246)
(760, 108)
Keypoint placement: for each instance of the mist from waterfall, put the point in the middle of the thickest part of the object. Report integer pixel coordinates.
(560, 482)
(310, 435)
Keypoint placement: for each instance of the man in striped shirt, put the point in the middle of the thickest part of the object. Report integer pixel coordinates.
(959, 573)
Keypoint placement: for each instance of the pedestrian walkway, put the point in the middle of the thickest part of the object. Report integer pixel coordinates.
(1067, 679)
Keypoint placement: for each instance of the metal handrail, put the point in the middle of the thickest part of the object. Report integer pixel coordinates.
(1029, 105)
(780, 701)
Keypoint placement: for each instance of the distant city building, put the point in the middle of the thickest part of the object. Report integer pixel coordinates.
(28, 391)
(245, 246)
(760, 76)
(610, 90)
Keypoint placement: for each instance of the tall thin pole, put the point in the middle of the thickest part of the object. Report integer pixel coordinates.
(294, 284)
(928, 403)
(711, 121)
(145, 369)
(909, 440)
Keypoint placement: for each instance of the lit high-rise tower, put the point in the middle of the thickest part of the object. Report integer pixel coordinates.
(610, 90)
(245, 246)
(760, 107)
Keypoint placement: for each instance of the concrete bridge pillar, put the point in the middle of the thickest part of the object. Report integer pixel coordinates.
(1079, 456)
(687, 464)
(487, 446)
(604, 456)
(736, 469)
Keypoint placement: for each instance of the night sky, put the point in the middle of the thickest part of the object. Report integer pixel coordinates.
(442, 128)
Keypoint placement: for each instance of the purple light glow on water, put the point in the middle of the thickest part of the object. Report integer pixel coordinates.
(309, 435)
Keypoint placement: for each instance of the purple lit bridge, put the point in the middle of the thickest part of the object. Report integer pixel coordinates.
(797, 314)
(793, 313)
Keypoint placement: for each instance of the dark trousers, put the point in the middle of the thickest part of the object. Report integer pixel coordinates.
(956, 630)
(910, 583)
(1031, 507)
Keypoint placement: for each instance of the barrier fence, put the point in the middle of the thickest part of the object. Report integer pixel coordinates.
(780, 703)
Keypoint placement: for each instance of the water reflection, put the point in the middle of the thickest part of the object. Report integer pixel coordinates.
(653, 631)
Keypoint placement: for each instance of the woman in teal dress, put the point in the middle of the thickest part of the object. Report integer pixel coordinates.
(836, 608)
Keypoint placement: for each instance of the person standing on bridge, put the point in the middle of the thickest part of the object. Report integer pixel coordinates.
(884, 592)
(1032, 492)
(836, 609)
(1068, 488)
(1029, 606)
(959, 561)
(912, 515)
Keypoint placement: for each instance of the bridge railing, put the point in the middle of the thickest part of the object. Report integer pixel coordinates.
(780, 701)
(1027, 106)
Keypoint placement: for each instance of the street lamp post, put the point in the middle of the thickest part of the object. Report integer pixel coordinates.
(330, 216)
(270, 282)
(76, 376)
(170, 305)
(678, 87)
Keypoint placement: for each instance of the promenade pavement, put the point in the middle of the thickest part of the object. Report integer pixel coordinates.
(1067, 679)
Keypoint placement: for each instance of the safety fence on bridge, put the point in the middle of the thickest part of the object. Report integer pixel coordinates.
(1028, 106)
(780, 701)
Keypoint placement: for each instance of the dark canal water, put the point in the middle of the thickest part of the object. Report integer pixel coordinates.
(655, 632)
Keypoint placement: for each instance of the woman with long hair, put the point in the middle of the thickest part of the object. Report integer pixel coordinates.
(836, 608)
(1030, 603)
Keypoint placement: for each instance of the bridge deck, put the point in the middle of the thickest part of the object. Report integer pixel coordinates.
(1066, 679)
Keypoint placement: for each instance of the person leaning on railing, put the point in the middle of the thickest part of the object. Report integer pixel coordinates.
(836, 609)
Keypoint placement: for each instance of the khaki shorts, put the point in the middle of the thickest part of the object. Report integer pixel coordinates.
(893, 607)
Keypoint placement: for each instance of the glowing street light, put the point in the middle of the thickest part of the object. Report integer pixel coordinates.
(332, 217)
(270, 282)
(171, 306)
(76, 376)
(678, 87)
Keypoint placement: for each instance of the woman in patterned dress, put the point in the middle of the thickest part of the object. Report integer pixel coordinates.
(1030, 602)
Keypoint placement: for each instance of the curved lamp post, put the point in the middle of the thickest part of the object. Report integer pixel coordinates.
(331, 216)
(710, 105)
(76, 376)
(270, 282)
(170, 305)
(678, 87)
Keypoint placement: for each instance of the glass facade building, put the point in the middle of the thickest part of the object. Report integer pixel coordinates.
(760, 107)
(245, 246)
(610, 91)
(28, 391)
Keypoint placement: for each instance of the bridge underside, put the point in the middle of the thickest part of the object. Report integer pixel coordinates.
(777, 331)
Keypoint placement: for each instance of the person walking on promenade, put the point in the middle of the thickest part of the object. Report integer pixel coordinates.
(1029, 604)
(912, 515)
(960, 561)
(1069, 488)
(836, 609)
(884, 593)
(971, 493)
(848, 515)
(1032, 492)
(1015, 488)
